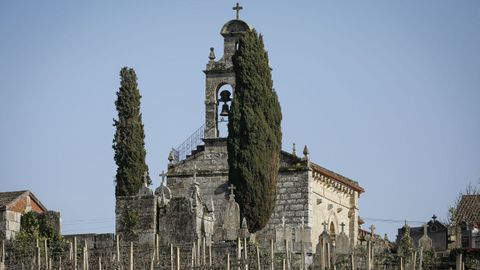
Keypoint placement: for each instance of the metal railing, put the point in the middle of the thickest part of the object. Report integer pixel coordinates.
(180, 152)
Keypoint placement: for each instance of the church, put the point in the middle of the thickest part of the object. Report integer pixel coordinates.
(195, 204)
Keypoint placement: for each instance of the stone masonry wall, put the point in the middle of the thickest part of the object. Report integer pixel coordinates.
(10, 223)
(144, 212)
(292, 199)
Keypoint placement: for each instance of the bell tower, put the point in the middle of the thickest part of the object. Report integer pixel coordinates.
(220, 73)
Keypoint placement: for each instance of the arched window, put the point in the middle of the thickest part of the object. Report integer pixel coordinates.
(224, 101)
(332, 228)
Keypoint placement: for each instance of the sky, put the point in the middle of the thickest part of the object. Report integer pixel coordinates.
(384, 92)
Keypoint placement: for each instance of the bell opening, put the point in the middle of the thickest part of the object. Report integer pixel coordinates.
(224, 101)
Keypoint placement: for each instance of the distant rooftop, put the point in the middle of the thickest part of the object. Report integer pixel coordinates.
(468, 210)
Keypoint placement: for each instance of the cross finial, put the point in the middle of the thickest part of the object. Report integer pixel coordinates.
(324, 226)
(343, 226)
(163, 175)
(232, 188)
(434, 218)
(237, 8)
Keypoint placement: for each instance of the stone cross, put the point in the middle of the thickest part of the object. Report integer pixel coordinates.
(434, 218)
(324, 226)
(343, 226)
(163, 175)
(231, 196)
(237, 8)
(231, 188)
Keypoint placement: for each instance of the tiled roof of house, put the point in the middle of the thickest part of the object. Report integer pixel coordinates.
(468, 210)
(8, 197)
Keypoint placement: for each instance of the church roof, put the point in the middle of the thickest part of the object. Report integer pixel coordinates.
(293, 159)
(340, 178)
(468, 210)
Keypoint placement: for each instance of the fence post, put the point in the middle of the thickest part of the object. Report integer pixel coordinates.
(210, 254)
(258, 259)
(228, 261)
(459, 262)
(352, 261)
(39, 262)
(171, 256)
(178, 258)
(75, 253)
(245, 252)
(239, 252)
(117, 241)
(2, 261)
(131, 256)
(272, 255)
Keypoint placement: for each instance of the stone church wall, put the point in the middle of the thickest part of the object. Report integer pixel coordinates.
(292, 199)
(212, 176)
(333, 206)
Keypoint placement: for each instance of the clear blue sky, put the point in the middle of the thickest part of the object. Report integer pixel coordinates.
(384, 92)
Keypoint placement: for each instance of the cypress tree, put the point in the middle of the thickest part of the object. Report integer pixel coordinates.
(254, 132)
(128, 142)
(405, 247)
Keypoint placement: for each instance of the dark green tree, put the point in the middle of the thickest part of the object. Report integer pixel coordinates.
(128, 142)
(254, 132)
(33, 227)
(405, 246)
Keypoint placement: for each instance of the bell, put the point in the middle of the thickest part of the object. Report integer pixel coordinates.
(225, 96)
(225, 110)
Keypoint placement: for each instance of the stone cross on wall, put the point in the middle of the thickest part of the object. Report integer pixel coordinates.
(231, 188)
(163, 175)
(343, 226)
(324, 226)
(237, 9)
